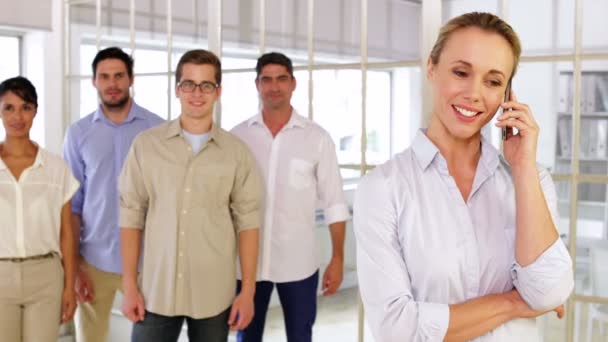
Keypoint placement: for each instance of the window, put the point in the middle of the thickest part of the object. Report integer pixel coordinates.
(9, 63)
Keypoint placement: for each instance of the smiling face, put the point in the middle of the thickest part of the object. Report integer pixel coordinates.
(197, 104)
(469, 81)
(17, 115)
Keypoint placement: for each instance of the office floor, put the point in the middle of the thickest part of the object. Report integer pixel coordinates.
(337, 322)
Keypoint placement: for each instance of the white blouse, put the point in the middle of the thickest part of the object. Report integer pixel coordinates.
(421, 247)
(30, 208)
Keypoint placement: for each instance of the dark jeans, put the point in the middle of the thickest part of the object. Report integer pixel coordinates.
(299, 303)
(159, 328)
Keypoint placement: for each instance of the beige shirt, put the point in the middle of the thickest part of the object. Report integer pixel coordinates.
(191, 208)
(30, 208)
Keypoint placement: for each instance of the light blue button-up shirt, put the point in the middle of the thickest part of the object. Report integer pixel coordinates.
(421, 247)
(95, 148)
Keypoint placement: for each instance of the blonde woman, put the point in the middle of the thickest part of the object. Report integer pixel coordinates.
(455, 240)
(37, 248)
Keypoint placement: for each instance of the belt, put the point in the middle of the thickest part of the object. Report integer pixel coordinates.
(33, 257)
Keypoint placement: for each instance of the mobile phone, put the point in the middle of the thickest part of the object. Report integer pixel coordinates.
(505, 130)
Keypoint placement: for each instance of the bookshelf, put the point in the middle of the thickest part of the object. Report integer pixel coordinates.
(593, 154)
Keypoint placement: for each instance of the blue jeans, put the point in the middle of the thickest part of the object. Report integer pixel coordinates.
(159, 328)
(299, 303)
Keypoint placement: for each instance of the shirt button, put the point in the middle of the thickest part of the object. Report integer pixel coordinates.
(179, 275)
(184, 211)
(181, 254)
(187, 190)
(182, 233)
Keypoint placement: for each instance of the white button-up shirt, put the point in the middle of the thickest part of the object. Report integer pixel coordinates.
(300, 173)
(421, 247)
(30, 208)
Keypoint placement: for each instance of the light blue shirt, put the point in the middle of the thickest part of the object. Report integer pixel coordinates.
(421, 247)
(95, 149)
(196, 140)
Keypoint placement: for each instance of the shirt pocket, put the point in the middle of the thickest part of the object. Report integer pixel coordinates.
(212, 185)
(301, 174)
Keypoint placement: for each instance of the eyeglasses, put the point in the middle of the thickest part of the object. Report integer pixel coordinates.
(205, 86)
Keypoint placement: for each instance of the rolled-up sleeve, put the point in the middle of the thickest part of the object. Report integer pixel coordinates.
(133, 193)
(392, 312)
(329, 183)
(548, 281)
(246, 194)
(72, 156)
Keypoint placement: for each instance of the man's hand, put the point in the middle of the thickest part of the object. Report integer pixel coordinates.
(133, 305)
(332, 277)
(84, 286)
(241, 313)
(68, 304)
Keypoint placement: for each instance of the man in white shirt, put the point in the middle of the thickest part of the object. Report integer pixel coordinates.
(297, 159)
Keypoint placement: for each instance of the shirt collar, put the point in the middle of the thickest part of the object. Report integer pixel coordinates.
(425, 152)
(295, 120)
(38, 161)
(174, 129)
(135, 112)
(424, 149)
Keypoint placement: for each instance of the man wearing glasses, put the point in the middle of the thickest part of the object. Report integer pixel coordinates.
(193, 191)
(95, 148)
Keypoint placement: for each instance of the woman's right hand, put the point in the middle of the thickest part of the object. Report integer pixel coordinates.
(133, 305)
(523, 310)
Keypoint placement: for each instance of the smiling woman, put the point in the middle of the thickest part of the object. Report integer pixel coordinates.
(456, 241)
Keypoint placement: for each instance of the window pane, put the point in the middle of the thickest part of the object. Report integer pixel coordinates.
(453, 8)
(595, 26)
(239, 98)
(393, 30)
(551, 328)
(287, 28)
(240, 31)
(541, 86)
(152, 93)
(591, 258)
(594, 118)
(337, 108)
(378, 117)
(147, 60)
(9, 67)
(83, 96)
(551, 31)
(405, 106)
(337, 31)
